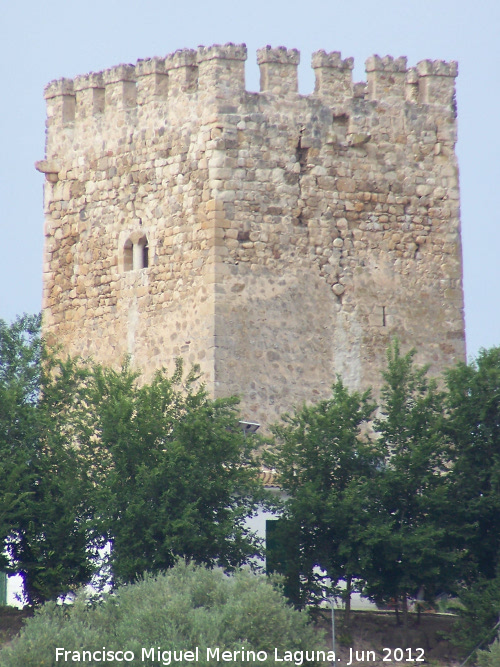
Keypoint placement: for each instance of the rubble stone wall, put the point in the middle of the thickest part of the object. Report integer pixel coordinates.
(288, 238)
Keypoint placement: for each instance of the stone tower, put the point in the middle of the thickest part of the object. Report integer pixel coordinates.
(273, 238)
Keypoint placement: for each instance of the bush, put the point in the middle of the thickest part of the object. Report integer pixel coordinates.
(478, 611)
(185, 608)
(490, 658)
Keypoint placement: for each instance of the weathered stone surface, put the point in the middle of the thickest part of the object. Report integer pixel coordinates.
(48, 166)
(275, 239)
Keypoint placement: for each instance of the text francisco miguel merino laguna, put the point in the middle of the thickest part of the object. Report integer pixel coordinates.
(215, 655)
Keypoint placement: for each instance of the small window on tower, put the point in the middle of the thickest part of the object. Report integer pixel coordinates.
(136, 254)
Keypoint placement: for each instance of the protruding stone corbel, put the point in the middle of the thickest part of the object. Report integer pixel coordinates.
(50, 168)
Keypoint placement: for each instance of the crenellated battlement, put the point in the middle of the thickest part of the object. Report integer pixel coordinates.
(333, 75)
(182, 70)
(89, 93)
(120, 87)
(218, 70)
(221, 69)
(278, 70)
(152, 80)
(437, 81)
(437, 68)
(386, 77)
(222, 52)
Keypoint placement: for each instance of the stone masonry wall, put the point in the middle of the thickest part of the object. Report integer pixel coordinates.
(289, 237)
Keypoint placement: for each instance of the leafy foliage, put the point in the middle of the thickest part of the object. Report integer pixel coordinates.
(490, 658)
(478, 614)
(20, 353)
(366, 506)
(407, 538)
(43, 512)
(90, 456)
(473, 402)
(184, 608)
(172, 472)
(40, 495)
(323, 459)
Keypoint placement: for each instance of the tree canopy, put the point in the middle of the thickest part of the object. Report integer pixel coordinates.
(323, 458)
(92, 457)
(172, 471)
(20, 354)
(473, 405)
(409, 548)
(403, 504)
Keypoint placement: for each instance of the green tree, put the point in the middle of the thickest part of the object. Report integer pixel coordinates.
(44, 539)
(172, 472)
(323, 457)
(478, 612)
(183, 609)
(20, 353)
(407, 538)
(40, 491)
(491, 657)
(90, 456)
(473, 403)
(52, 546)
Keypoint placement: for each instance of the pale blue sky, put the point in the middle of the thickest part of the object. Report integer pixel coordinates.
(40, 41)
